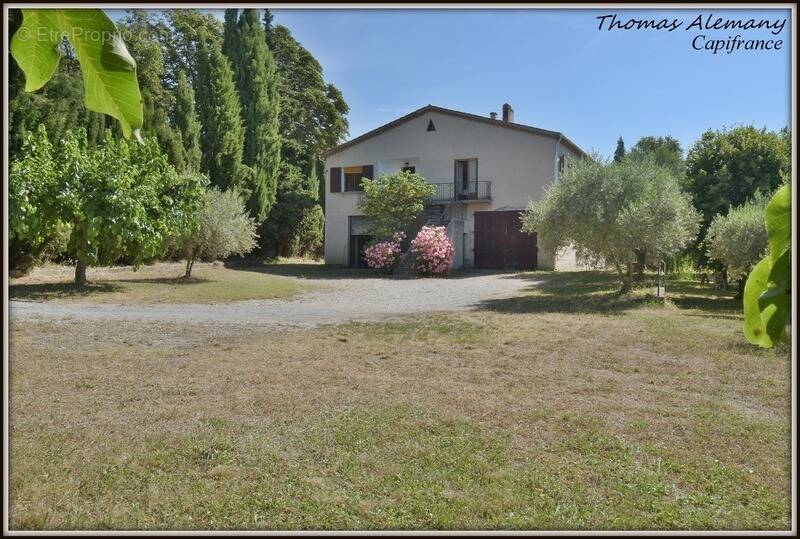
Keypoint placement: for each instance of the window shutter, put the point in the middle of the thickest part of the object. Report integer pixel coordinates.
(336, 179)
(367, 172)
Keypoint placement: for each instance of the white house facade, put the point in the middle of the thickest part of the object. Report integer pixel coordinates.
(485, 171)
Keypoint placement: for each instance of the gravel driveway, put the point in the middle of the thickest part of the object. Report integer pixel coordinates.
(340, 300)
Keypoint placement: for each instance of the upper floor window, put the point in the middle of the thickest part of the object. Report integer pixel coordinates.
(349, 178)
(352, 178)
(561, 163)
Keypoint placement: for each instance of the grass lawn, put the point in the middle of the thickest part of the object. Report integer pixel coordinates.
(566, 407)
(160, 283)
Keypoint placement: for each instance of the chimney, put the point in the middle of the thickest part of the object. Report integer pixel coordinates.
(493, 115)
(508, 113)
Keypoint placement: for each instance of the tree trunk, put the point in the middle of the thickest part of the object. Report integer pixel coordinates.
(623, 277)
(740, 287)
(641, 256)
(80, 273)
(189, 266)
(80, 264)
(626, 284)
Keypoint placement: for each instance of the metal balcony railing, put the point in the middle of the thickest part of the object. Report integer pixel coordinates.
(477, 191)
(452, 191)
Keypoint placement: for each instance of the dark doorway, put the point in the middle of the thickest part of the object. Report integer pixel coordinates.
(357, 244)
(466, 178)
(500, 243)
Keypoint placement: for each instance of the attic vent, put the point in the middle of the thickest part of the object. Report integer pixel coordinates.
(431, 127)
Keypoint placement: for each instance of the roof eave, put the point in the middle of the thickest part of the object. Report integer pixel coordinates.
(465, 115)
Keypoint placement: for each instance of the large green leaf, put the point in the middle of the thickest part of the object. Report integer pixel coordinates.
(775, 302)
(778, 219)
(768, 291)
(35, 48)
(754, 327)
(109, 71)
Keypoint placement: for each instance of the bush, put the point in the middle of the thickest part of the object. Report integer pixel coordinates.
(224, 228)
(739, 239)
(683, 268)
(434, 251)
(308, 235)
(384, 255)
(296, 222)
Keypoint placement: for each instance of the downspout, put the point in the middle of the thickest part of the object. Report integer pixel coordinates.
(557, 177)
(555, 161)
(464, 248)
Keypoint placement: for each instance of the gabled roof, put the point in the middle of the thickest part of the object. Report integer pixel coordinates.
(467, 116)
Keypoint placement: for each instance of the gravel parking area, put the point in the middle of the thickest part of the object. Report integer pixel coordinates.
(339, 300)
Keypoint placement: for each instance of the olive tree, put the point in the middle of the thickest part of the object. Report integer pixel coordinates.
(738, 240)
(611, 211)
(392, 202)
(223, 228)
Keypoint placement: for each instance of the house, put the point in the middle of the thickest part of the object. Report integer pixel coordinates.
(485, 171)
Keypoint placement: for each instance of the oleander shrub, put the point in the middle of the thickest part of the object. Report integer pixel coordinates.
(384, 255)
(434, 251)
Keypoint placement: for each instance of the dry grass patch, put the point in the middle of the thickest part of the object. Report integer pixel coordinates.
(637, 416)
(159, 283)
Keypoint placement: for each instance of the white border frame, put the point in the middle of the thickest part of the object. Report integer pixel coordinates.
(578, 6)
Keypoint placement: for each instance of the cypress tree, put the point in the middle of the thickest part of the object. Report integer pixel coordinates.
(156, 124)
(619, 153)
(312, 184)
(267, 23)
(230, 36)
(141, 38)
(257, 82)
(221, 134)
(186, 123)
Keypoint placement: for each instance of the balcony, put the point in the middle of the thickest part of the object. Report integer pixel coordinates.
(476, 191)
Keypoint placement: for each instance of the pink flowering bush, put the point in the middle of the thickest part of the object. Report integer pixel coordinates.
(383, 255)
(434, 251)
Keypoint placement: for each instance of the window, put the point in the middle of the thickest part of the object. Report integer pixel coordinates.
(431, 127)
(561, 163)
(412, 170)
(352, 178)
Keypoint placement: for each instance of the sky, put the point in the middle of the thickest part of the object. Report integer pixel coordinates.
(555, 67)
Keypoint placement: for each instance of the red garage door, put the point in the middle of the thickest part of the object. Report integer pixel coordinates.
(500, 244)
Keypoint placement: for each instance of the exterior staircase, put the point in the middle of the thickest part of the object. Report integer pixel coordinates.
(405, 268)
(432, 215)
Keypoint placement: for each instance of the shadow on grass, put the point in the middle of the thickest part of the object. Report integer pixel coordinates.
(169, 280)
(693, 295)
(304, 270)
(325, 271)
(598, 292)
(49, 291)
(566, 292)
